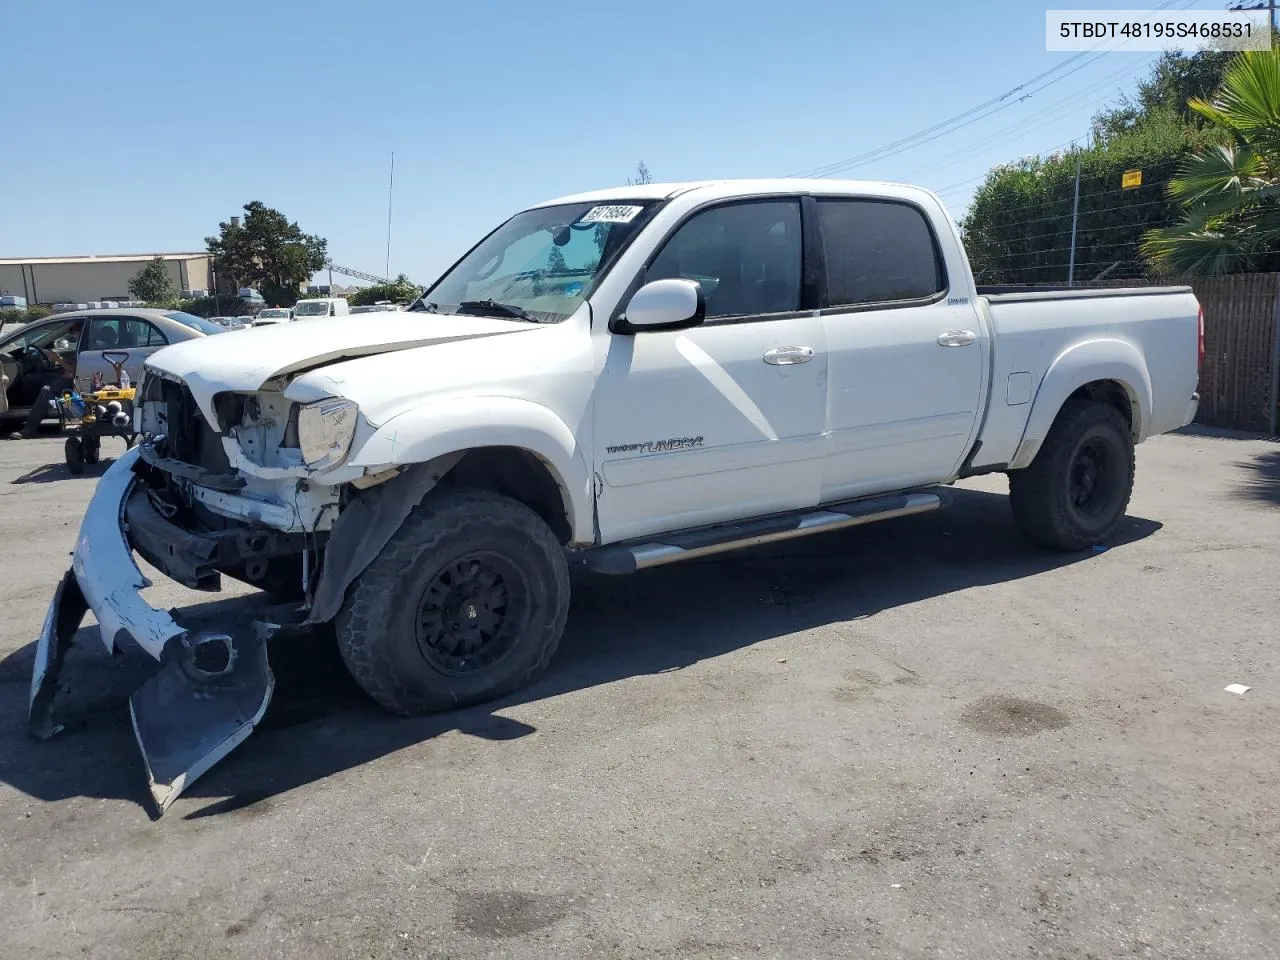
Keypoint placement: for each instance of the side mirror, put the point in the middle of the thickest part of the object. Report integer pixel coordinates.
(663, 305)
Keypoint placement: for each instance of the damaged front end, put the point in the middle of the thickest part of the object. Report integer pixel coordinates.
(212, 688)
(255, 488)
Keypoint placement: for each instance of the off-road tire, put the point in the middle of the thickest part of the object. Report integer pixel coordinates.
(1041, 495)
(378, 625)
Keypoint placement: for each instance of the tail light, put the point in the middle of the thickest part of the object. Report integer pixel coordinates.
(1200, 341)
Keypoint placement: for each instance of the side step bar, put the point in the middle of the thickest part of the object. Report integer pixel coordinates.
(626, 558)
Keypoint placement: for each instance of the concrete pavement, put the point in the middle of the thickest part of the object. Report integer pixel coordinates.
(924, 738)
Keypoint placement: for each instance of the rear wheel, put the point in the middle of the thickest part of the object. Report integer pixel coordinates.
(465, 603)
(91, 449)
(1076, 491)
(74, 453)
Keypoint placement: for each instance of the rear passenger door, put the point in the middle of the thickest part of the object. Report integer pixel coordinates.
(135, 336)
(906, 367)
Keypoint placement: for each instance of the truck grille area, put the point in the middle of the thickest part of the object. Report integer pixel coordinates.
(188, 437)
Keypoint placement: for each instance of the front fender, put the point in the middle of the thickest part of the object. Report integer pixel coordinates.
(1105, 359)
(435, 429)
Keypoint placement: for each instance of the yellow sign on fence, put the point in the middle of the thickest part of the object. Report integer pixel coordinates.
(1130, 179)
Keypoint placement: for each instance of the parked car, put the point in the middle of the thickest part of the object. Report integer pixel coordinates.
(231, 323)
(321, 307)
(617, 379)
(272, 315)
(374, 308)
(72, 345)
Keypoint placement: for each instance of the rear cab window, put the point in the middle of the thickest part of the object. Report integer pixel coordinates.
(878, 252)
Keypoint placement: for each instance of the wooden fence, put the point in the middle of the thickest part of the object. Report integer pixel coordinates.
(1238, 380)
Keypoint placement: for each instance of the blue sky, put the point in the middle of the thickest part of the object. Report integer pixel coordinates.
(136, 126)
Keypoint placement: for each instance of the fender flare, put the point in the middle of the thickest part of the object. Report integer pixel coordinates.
(423, 434)
(1093, 360)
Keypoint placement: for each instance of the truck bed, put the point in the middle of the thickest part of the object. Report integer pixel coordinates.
(1012, 293)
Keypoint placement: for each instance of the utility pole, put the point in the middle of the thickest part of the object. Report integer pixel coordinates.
(390, 192)
(1270, 6)
(1075, 216)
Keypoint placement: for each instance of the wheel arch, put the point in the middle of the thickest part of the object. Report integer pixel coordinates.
(1113, 371)
(512, 446)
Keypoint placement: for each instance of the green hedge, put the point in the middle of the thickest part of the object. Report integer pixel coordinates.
(1018, 226)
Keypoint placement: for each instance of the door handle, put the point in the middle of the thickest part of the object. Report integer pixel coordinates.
(785, 356)
(956, 338)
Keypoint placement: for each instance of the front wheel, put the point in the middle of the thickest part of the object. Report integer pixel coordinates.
(465, 603)
(1076, 491)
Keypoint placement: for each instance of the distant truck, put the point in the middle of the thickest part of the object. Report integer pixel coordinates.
(321, 307)
(617, 379)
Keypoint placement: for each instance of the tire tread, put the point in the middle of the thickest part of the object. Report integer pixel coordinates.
(441, 515)
(1034, 497)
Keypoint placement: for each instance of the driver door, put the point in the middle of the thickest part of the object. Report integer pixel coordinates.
(42, 353)
(724, 420)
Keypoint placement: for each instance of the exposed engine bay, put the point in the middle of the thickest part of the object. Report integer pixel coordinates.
(199, 503)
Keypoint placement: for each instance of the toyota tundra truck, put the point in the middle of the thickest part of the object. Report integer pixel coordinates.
(618, 379)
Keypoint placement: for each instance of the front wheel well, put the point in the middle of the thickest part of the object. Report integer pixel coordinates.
(520, 475)
(1113, 393)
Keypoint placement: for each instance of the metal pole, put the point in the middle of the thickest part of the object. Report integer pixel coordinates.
(1075, 216)
(390, 190)
(1275, 362)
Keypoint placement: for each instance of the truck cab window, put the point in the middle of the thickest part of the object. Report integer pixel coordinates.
(745, 256)
(878, 252)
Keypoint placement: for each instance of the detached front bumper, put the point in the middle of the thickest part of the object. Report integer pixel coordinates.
(212, 687)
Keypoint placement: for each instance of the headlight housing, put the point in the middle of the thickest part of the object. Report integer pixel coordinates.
(325, 429)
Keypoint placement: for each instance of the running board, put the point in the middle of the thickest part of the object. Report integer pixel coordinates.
(626, 558)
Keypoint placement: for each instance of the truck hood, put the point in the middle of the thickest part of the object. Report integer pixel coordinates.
(242, 361)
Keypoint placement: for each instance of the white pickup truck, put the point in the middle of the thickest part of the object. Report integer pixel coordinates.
(620, 379)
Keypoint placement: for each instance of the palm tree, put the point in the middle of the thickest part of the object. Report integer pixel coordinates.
(1230, 192)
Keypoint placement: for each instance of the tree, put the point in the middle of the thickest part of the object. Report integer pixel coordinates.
(399, 290)
(267, 252)
(1018, 225)
(152, 284)
(1174, 80)
(642, 176)
(1230, 192)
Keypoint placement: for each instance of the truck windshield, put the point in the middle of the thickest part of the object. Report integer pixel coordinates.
(541, 263)
(311, 308)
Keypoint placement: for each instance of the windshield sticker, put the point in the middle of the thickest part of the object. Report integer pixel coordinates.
(614, 214)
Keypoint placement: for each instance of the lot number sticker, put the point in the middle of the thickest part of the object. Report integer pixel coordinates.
(616, 214)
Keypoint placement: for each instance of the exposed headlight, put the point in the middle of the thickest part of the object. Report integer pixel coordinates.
(325, 429)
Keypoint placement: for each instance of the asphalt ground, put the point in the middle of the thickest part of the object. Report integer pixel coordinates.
(923, 738)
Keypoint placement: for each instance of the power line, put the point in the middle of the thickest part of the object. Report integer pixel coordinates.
(1053, 113)
(995, 104)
